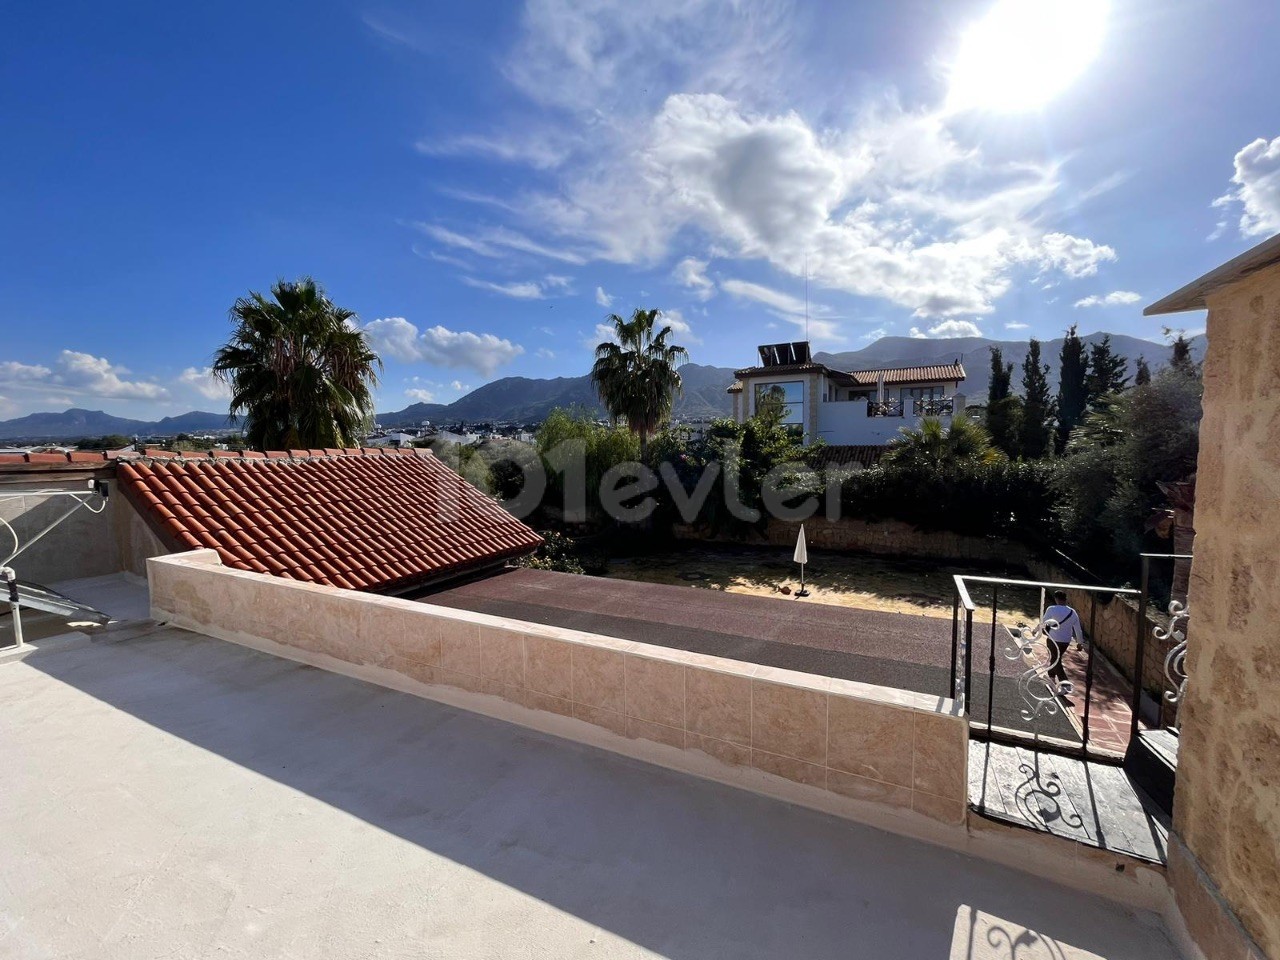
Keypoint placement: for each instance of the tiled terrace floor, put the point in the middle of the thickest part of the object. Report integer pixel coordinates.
(1091, 803)
(172, 795)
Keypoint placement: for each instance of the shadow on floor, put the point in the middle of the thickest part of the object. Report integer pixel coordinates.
(684, 868)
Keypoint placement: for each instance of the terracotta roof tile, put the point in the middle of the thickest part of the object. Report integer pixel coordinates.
(360, 520)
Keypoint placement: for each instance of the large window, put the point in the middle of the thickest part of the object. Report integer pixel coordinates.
(790, 394)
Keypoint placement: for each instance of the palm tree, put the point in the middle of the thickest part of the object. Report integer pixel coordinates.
(933, 446)
(301, 373)
(636, 376)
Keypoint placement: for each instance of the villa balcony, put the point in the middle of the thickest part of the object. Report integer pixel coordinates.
(872, 422)
(939, 407)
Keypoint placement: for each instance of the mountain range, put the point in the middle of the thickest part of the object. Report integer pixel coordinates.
(522, 399)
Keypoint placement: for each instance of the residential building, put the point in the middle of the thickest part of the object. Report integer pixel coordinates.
(846, 407)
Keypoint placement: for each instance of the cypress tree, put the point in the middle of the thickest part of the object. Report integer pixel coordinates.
(1181, 359)
(1037, 406)
(1002, 406)
(1073, 395)
(1143, 374)
(1108, 372)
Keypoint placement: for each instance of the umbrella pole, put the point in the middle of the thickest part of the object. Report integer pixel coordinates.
(802, 592)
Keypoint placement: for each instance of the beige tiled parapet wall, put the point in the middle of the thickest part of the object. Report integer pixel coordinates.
(849, 748)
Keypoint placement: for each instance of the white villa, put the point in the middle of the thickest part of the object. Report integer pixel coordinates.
(847, 407)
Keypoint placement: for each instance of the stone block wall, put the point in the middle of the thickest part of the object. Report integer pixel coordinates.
(1227, 805)
(850, 748)
(85, 544)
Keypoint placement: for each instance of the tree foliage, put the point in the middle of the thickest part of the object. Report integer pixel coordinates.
(1037, 406)
(1108, 371)
(1109, 481)
(1003, 408)
(1141, 373)
(935, 446)
(301, 374)
(637, 376)
(1073, 394)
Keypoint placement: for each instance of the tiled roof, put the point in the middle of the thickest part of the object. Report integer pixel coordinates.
(864, 378)
(735, 387)
(780, 368)
(941, 371)
(362, 519)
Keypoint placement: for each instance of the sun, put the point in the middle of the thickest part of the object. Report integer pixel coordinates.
(1023, 53)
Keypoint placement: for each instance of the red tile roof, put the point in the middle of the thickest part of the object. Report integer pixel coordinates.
(365, 520)
(862, 378)
(940, 371)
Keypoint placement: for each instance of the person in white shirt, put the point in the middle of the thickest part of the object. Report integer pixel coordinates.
(1060, 636)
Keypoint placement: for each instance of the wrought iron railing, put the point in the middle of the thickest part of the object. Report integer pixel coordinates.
(1041, 684)
(940, 407)
(884, 408)
(1174, 667)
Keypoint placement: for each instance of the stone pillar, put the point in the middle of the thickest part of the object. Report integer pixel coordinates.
(1227, 805)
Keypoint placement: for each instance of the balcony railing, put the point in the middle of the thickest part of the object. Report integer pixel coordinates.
(889, 408)
(940, 407)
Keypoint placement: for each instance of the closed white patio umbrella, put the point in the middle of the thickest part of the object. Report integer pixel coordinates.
(801, 557)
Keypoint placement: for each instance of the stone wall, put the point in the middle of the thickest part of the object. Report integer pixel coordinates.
(86, 544)
(1227, 806)
(853, 749)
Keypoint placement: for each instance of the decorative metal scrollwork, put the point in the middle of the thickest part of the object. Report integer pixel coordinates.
(1175, 659)
(1038, 689)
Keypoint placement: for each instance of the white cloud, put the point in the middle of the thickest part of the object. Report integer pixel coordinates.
(542, 353)
(526, 290)
(782, 302)
(97, 376)
(459, 386)
(894, 208)
(603, 299)
(13, 372)
(821, 327)
(683, 333)
(1015, 325)
(205, 383)
(420, 395)
(875, 334)
(1115, 298)
(676, 139)
(948, 330)
(549, 285)
(482, 352)
(1257, 188)
(536, 152)
(498, 242)
(691, 274)
(1073, 256)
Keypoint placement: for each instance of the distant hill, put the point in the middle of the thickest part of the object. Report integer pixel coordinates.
(975, 354)
(76, 423)
(524, 399)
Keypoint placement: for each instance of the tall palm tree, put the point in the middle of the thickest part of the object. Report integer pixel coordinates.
(636, 376)
(301, 373)
(933, 446)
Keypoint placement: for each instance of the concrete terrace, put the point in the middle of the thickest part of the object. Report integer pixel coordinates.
(182, 796)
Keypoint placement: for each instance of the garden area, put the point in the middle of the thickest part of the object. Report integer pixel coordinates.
(866, 581)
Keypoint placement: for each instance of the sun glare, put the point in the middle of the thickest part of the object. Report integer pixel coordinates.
(1023, 53)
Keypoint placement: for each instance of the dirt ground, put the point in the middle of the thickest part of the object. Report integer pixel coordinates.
(844, 579)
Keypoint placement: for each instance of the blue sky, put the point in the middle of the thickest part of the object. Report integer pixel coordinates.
(483, 182)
